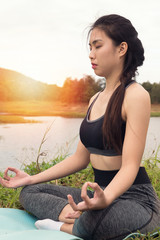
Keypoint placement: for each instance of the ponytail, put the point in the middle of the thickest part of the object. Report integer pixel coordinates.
(119, 29)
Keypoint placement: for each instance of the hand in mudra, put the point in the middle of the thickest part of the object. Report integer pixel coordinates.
(98, 201)
(20, 179)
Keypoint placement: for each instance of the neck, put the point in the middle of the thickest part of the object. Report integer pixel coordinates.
(113, 79)
(112, 84)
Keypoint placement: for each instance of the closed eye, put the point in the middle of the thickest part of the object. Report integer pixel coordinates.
(95, 47)
(98, 47)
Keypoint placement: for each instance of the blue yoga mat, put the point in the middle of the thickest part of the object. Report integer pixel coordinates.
(17, 224)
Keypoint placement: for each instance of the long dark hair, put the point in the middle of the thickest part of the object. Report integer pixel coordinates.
(119, 29)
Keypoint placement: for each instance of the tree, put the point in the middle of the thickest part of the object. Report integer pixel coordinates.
(155, 93)
(148, 86)
(79, 91)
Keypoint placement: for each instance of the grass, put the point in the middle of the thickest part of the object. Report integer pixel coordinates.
(155, 114)
(43, 108)
(15, 119)
(14, 112)
(152, 165)
(155, 110)
(138, 236)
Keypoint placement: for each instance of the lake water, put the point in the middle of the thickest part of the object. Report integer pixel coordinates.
(19, 143)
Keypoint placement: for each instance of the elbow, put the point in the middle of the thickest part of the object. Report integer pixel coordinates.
(130, 170)
(84, 165)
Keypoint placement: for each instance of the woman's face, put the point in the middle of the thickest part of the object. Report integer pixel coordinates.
(104, 55)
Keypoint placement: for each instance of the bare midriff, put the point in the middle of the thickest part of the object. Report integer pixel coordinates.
(106, 162)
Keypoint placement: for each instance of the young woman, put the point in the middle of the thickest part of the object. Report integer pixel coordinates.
(112, 138)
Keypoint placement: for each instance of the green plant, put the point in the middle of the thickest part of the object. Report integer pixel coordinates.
(149, 236)
(152, 166)
(32, 168)
(9, 198)
(78, 179)
(39, 154)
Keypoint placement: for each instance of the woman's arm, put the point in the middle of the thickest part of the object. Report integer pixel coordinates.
(79, 160)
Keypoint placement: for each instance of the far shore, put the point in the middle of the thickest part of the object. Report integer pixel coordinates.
(14, 112)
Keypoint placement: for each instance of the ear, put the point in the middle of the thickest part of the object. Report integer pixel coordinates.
(123, 47)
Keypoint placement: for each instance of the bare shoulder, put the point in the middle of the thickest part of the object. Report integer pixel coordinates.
(136, 101)
(136, 94)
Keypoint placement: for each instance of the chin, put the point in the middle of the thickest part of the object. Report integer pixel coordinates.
(99, 74)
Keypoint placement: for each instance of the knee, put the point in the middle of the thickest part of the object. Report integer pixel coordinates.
(25, 193)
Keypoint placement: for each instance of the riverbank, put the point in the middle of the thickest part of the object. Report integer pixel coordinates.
(41, 108)
(155, 110)
(15, 119)
(13, 112)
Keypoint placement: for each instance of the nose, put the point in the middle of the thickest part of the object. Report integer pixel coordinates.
(92, 55)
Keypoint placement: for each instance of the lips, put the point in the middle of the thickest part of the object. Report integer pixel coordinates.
(94, 65)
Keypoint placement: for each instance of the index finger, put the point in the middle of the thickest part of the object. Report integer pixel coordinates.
(72, 203)
(9, 169)
(95, 187)
(12, 169)
(84, 195)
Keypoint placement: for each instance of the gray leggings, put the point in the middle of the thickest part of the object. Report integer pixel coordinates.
(136, 209)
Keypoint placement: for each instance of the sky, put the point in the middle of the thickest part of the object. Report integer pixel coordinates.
(47, 39)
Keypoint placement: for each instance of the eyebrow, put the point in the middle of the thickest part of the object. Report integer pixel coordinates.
(95, 41)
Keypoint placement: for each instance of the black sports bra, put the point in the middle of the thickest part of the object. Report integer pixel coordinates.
(91, 133)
